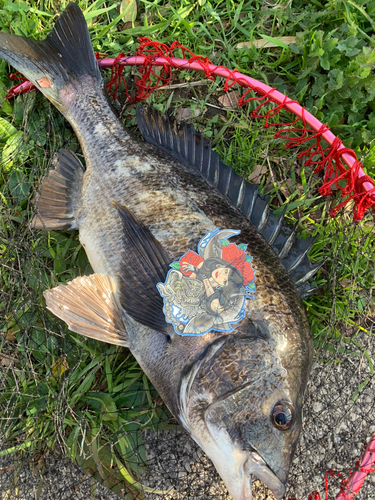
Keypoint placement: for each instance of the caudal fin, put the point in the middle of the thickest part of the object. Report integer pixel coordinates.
(65, 55)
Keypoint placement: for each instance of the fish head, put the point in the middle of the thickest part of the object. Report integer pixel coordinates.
(244, 409)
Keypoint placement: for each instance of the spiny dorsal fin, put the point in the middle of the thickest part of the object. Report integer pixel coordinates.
(144, 264)
(60, 190)
(194, 151)
(88, 305)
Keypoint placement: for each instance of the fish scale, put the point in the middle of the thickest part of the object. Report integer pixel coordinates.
(139, 207)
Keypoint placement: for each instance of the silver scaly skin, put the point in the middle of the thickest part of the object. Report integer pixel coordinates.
(223, 388)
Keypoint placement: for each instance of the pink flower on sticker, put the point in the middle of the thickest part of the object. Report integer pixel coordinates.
(190, 258)
(237, 257)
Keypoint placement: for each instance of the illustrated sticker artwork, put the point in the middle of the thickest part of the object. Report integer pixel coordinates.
(207, 290)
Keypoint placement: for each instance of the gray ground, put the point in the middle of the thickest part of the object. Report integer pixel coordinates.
(176, 466)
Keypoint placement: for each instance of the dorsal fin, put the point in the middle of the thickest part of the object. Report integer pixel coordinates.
(194, 151)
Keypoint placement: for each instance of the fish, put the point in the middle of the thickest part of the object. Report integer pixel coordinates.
(236, 386)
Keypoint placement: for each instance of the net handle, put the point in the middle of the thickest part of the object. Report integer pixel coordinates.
(246, 81)
(356, 480)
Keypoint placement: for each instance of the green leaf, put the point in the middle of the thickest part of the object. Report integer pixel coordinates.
(129, 9)
(176, 265)
(6, 107)
(145, 30)
(19, 186)
(108, 373)
(15, 7)
(86, 383)
(276, 41)
(19, 447)
(95, 13)
(129, 478)
(330, 44)
(108, 407)
(251, 285)
(6, 130)
(14, 147)
(359, 389)
(242, 246)
(224, 243)
(296, 204)
(248, 258)
(336, 79)
(325, 61)
(71, 442)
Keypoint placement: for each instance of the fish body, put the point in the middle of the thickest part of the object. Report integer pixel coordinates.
(238, 393)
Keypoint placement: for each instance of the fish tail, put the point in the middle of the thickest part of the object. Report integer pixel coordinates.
(64, 56)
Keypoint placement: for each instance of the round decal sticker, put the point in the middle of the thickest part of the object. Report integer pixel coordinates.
(207, 290)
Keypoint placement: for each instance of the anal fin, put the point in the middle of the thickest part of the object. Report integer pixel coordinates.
(88, 305)
(59, 193)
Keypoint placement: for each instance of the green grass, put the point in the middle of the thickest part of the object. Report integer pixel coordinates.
(97, 393)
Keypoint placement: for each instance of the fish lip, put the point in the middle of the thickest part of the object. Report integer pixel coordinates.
(256, 466)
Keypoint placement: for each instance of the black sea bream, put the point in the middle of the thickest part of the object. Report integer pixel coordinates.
(236, 388)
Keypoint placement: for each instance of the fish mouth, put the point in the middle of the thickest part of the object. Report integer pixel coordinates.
(256, 466)
(248, 463)
(235, 461)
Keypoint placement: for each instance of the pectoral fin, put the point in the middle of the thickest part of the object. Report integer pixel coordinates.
(145, 263)
(88, 305)
(60, 193)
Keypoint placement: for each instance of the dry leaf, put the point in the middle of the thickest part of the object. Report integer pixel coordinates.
(129, 9)
(287, 187)
(333, 187)
(263, 44)
(166, 9)
(345, 282)
(10, 335)
(257, 173)
(230, 99)
(224, 24)
(316, 215)
(59, 367)
(129, 25)
(6, 360)
(158, 401)
(186, 113)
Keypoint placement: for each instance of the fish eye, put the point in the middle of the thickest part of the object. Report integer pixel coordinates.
(282, 416)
